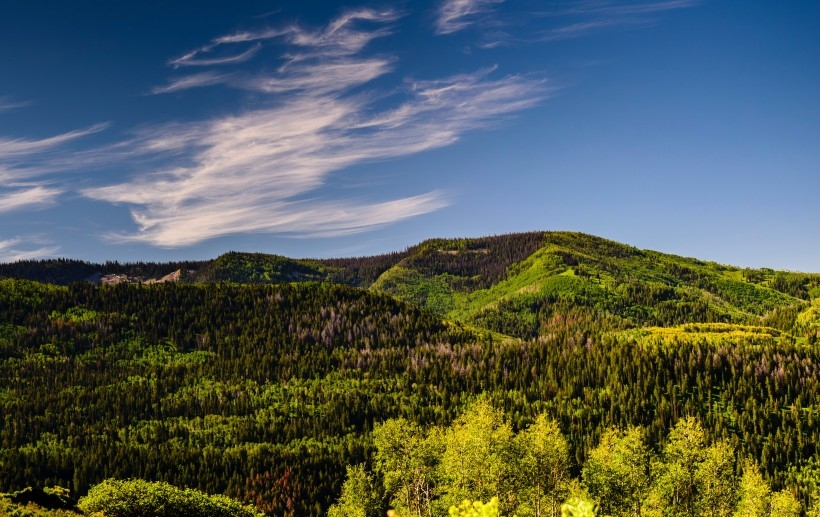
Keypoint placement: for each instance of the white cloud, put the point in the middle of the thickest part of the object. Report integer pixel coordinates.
(321, 78)
(315, 59)
(340, 37)
(524, 24)
(593, 15)
(10, 250)
(192, 81)
(35, 196)
(189, 60)
(604, 7)
(8, 104)
(11, 148)
(262, 170)
(193, 58)
(576, 30)
(27, 159)
(456, 15)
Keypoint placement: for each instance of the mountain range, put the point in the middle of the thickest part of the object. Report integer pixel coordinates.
(512, 285)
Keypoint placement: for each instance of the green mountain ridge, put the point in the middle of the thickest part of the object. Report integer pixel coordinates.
(515, 284)
(576, 273)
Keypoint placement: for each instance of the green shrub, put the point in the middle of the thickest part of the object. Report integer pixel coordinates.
(139, 498)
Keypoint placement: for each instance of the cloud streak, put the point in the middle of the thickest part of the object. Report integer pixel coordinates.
(591, 16)
(10, 251)
(25, 160)
(264, 170)
(456, 15)
(15, 148)
(524, 25)
(8, 104)
(192, 81)
(609, 8)
(340, 37)
(35, 196)
(191, 60)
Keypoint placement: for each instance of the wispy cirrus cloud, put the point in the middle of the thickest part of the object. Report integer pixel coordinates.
(8, 104)
(340, 37)
(193, 60)
(16, 148)
(329, 47)
(612, 8)
(525, 25)
(576, 30)
(205, 55)
(10, 249)
(590, 16)
(33, 196)
(263, 170)
(23, 161)
(192, 81)
(456, 15)
(321, 77)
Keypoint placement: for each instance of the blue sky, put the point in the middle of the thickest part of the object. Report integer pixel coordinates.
(179, 130)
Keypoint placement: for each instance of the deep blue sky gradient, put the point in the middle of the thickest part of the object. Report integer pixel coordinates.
(690, 127)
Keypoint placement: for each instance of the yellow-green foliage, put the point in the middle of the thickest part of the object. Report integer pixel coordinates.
(809, 319)
(578, 508)
(45, 502)
(75, 315)
(711, 333)
(541, 274)
(475, 509)
(411, 286)
(9, 509)
(139, 498)
(25, 292)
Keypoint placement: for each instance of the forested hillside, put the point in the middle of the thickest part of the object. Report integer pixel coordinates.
(263, 378)
(538, 277)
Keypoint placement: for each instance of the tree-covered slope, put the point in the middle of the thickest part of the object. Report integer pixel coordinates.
(260, 268)
(266, 393)
(537, 278)
(260, 392)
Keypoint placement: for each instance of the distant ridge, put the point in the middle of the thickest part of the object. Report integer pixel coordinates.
(519, 284)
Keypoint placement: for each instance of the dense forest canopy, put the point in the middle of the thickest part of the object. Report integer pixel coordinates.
(266, 379)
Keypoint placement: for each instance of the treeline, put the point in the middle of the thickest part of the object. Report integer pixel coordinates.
(66, 271)
(477, 262)
(361, 271)
(265, 393)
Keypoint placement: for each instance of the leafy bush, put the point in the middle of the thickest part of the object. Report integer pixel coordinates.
(139, 498)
